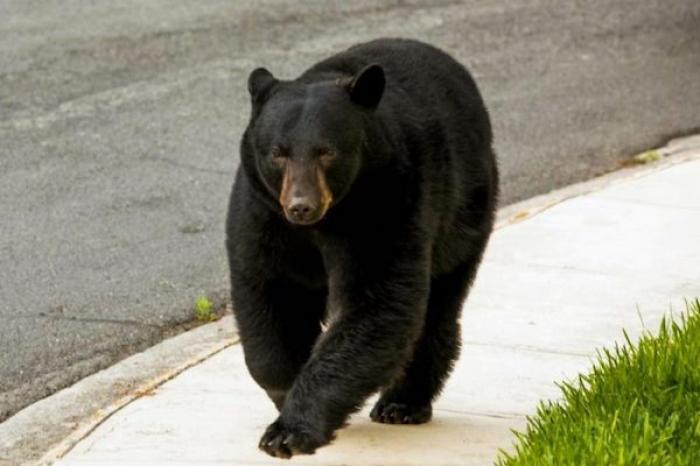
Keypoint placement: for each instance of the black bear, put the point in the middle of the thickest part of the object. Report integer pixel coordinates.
(363, 202)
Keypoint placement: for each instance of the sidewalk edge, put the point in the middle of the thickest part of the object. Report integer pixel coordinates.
(675, 152)
(45, 431)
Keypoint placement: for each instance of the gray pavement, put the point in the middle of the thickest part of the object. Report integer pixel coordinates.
(119, 125)
(538, 311)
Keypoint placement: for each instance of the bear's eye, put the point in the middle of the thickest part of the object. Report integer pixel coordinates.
(327, 157)
(278, 155)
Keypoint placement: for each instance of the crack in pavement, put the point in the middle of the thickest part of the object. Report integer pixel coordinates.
(93, 320)
(531, 349)
(155, 158)
(487, 414)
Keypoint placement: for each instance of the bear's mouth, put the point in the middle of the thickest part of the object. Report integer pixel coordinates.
(305, 196)
(304, 220)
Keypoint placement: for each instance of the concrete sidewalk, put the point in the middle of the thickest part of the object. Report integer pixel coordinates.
(554, 286)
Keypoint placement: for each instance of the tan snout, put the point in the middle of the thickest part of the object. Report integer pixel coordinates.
(305, 196)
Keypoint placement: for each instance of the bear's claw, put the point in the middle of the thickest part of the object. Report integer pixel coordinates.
(400, 413)
(282, 441)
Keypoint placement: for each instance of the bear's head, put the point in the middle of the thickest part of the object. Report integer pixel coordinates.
(305, 141)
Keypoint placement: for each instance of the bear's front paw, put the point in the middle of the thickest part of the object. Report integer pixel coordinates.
(284, 440)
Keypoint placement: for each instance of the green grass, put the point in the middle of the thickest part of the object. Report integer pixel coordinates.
(639, 405)
(649, 156)
(204, 310)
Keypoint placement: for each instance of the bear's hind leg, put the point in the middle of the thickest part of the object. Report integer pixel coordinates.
(278, 333)
(409, 400)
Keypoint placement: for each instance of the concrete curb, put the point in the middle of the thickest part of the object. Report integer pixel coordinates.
(676, 151)
(48, 429)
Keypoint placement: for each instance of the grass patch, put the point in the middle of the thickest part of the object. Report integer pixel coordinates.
(639, 405)
(204, 310)
(649, 156)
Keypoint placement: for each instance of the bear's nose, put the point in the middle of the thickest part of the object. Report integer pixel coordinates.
(302, 210)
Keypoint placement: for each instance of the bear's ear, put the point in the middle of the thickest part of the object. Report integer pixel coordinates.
(367, 86)
(260, 82)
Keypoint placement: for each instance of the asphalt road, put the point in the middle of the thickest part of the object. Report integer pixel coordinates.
(119, 125)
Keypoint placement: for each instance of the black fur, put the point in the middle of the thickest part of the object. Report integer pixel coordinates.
(414, 184)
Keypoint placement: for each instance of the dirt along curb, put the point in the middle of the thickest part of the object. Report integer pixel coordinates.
(46, 430)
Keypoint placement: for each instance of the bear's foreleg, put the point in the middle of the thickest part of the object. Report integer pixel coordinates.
(381, 306)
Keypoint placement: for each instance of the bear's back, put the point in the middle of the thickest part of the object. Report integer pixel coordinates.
(420, 78)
